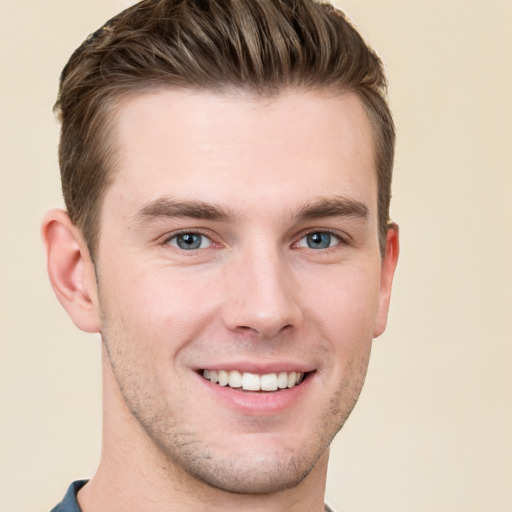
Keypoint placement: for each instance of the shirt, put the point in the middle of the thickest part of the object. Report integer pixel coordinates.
(70, 503)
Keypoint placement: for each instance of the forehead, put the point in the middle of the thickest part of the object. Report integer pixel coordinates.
(243, 149)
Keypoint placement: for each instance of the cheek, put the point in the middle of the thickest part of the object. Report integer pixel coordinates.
(343, 315)
(160, 306)
(345, 306)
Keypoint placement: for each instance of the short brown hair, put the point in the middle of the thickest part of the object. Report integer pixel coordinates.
(258, 46)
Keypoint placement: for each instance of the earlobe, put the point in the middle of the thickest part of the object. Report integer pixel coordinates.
(71, 270)
(389, 262)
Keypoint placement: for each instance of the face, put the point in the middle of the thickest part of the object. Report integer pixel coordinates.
(240, 281)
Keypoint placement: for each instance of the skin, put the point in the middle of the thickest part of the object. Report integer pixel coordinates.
(253, 178)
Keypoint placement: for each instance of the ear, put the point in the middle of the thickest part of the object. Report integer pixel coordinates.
(388, 267)
(71, 270)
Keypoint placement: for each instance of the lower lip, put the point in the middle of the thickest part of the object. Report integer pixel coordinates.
(258, 403)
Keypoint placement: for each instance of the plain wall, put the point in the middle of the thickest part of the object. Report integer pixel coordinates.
(433, 428)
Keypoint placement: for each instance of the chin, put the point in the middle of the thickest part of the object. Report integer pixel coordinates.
(253, 474)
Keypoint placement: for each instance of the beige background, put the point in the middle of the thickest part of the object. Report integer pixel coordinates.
(433, 428)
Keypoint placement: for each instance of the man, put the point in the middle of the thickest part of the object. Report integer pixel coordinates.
(226, 167)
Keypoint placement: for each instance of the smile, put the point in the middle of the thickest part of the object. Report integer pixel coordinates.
(253, 382)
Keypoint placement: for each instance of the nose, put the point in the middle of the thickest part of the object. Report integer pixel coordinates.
(261, 296)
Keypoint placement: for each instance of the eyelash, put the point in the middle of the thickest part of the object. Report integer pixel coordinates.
(168, 239)
(342, 240)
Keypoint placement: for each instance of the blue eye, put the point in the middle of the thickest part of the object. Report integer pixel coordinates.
(319, 240)
(190, 241)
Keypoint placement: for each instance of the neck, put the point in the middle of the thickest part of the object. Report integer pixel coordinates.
(134, 474)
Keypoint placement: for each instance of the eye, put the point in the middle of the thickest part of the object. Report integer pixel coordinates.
(190, 241)
(319, 240)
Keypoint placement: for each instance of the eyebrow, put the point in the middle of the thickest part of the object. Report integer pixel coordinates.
(323, 207)
(169, 208)
(337, 206)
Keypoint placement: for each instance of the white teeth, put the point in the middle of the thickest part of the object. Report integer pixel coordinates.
(292, 379)
(269, 382)
(250, 382)
(253, 382)
(282, 380)
(235, 379)
(223, 378)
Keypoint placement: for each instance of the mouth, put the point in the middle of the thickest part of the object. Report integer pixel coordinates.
(245, 381)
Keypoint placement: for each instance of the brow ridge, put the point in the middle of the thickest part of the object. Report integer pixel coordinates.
(170, 208)
(165, 207)
(337, 206)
